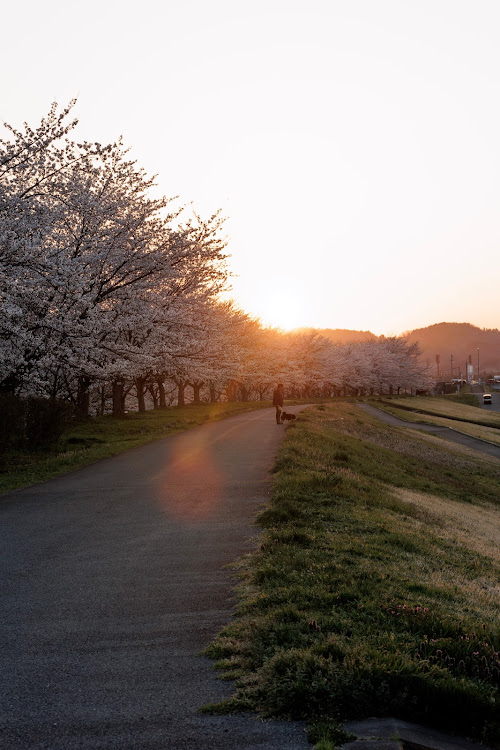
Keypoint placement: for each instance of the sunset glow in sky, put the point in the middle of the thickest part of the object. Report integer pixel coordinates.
(354, 146)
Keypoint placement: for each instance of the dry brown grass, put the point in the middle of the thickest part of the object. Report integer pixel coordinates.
(447, 408)
(474, 528)
(406, 440)
(490, 434)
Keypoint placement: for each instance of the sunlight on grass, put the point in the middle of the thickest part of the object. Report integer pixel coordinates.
(476, 527)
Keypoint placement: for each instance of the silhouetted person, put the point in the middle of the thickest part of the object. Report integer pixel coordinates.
(278, 396)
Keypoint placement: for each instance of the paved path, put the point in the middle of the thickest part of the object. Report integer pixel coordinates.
(112, 580)
(445, 432)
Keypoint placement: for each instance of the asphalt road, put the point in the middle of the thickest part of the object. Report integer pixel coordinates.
(112, 579)
(495, 397)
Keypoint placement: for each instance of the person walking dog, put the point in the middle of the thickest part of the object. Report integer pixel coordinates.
(278, 397)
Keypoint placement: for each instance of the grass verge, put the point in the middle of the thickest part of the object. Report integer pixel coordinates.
(376, 587)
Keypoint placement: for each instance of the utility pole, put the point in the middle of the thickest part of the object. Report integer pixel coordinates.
(451, 367)
(478, 376)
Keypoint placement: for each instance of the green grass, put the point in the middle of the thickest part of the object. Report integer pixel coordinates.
(375, 588)
(91, 440)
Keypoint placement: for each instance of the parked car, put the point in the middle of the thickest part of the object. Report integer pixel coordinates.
(486, 398)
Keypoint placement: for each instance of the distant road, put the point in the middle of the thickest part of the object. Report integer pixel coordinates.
(444, 432)
(495, 397)
(112, 580)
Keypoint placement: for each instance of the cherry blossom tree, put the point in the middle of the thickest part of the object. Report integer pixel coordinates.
(97, 279)
(106, 291)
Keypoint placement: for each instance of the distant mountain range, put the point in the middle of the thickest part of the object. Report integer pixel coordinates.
(459, 340)
(341, 335)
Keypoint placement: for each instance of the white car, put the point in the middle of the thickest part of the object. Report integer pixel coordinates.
(486, 398)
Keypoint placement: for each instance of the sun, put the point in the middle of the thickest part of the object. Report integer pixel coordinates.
(282, 311)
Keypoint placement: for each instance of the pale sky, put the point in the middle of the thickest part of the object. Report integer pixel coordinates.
(354, 145)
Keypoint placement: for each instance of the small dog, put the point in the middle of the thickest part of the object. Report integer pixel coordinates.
(287, 417)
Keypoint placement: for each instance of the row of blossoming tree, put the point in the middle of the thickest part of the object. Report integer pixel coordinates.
(107, 293)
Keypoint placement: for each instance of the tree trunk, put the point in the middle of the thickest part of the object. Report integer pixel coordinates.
(196, 392)
(181, 387)
(161, 394)
(139, 387)
(103, 400)
(83, 397)
(213, 394)
(118, 398)
(231, 391)
(55, 386)
(154, 395)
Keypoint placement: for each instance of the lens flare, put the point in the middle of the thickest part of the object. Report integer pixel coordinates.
(189, 486)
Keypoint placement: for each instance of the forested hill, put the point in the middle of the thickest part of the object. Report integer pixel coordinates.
(459, 340)
(445, 339)
(341, 335)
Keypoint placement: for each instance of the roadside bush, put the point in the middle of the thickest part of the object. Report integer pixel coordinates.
(11, 420)
(45, 421)
(469, 399)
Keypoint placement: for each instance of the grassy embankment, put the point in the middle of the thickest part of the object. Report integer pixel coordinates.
(96, 438)
(376, 588)
(461, 413)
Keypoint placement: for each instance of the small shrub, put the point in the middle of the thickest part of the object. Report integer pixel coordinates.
(327, 734)
(45, 421)
(341, 456)
(295, 683)
(469, 399)
(11, 420)
(84, 442)
(471, 655)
